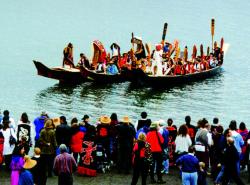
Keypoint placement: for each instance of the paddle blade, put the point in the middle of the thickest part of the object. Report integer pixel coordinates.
(201, 51)
(164, 31)
(212, 26)
(208, 51)
(185, 54)
(221, 44)
(194, 52)
(147, 45)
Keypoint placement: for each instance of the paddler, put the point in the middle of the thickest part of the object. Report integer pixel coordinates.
(68, 56)
(157, 60)
(140, 52)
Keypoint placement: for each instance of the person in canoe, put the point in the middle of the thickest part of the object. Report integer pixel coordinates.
(68, 56)
(112, 68)
(83, 61)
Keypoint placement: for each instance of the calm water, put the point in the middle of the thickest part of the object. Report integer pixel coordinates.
(40, 30)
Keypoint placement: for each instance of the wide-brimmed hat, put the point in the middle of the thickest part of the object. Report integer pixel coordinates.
(28, 162)
(44, 113)
(154, 125)
(126, 119)
(105, 119)
(48, 124)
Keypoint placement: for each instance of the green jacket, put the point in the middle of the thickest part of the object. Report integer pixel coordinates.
(47, 141)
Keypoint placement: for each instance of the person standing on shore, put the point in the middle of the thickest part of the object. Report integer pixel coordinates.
(39, 124)
(191, 128)
(64, 166)
(189, 166)
(231, 158)
(7, 146)
(63, 134)
(143, 121)
(155, 139)
(48, 145)
(141, 159)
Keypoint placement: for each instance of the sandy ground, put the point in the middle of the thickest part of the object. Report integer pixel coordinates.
(112, 178)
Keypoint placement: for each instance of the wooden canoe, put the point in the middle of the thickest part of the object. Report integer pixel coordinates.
(64, 75)
(141, 78)
(103, 77)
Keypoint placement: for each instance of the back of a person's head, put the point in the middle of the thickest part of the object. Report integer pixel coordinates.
(242, 126)
(215, 120)
(191, 149)
(183, 130)
(74, 120)
(188, 120)
(233, 125)
(63, 119)
(6, 113)
(25, 118)
(170, 121)
(144, 115)
(113, 117)
(37, 151)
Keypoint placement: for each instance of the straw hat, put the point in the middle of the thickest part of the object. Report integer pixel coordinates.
(126, 119)
(105, 119)
(29, 163)
(154, 125)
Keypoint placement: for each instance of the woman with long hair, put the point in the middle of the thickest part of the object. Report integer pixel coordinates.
(182, 141)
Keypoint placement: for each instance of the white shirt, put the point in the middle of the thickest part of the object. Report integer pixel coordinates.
(7, 148)
(182, 143)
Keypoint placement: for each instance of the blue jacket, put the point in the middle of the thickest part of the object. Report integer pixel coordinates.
(112, 70)
(144, 130)
(39, 124)
(25, 178)
(189, 163)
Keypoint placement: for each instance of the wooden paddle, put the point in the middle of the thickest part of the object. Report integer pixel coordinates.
(221, 44)
(132, 41)
(212, 32)
(185, 53)
(164, 33)
(149, 53)
(201, 51)
(208, 51)
(194, 52)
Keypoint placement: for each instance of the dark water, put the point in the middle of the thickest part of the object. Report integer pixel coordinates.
(40, 30)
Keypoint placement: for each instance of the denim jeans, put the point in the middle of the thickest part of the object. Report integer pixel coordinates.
(189, 178)
(220, 175)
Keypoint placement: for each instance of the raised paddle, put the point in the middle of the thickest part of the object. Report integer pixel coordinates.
(212, 32)
(221, 44)
(132, 40)
(194, 52)
(149, 52)
(185, 54)
(201, 51)
(208, 51)
(164, 33)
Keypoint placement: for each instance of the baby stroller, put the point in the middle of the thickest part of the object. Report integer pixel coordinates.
(102, 162)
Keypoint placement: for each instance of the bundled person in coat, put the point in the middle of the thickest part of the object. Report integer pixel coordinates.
(155, 139)
(141, 159)
(48, 145)
(231, 159)
(125, 139)
(76, 139)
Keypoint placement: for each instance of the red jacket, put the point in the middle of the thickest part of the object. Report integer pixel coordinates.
(76, 141)
(1, 148)
(152, 139)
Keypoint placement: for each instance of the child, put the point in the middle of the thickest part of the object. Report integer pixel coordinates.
(39, 171)
(202, 174)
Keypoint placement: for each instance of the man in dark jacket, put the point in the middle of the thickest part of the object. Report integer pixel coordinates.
(63, 132)
(126, 135)
(231, 157)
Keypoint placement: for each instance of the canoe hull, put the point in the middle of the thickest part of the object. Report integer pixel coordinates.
(64, 76)
(140, 78)
(101, 77)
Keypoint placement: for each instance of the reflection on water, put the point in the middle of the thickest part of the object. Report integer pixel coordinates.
(128, 99)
